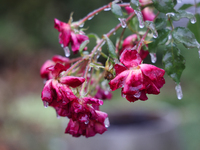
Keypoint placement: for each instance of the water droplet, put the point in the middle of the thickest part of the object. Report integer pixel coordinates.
(86, 122)
(151, 26)
(199, 53)
(90, 69)
(81, 25)
(123, 22)
(193, 20)
(123, 95)
(137, 95)
(67, 51)
(140, 18)
(106, 122)
(169, 39)
(179, 92)
(46, 104)
(90, 17)
(107, 9)
(96, 14)
(114, 33)
(62, 45)
(57, 115)
(179, 1)
(170, 14)
(44, 81)
(153, 57)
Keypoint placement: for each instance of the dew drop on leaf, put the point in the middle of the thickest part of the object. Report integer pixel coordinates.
(153, 57)
(67, 51)
(179, 1)
(140, 18)
(170, 14)
(106, 122)
(193, 20)
(123, 22)
(179, 92)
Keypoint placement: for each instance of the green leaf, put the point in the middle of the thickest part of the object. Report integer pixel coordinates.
(116, 9)
(185, 6)
(93, 35)
(164, 6)
(160, 40)
(173, 62)
(198, 4)
(185, 36)
(183, 14)
(161, 21)
(83, 45)
(97, 66)
(111, 47)
(195, 27)
(135, 4)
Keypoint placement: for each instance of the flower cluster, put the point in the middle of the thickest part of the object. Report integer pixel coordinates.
(77, 87)
(136, 79)
(67, 35)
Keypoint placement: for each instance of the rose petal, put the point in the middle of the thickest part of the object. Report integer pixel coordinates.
(130, 58)
(72, 81)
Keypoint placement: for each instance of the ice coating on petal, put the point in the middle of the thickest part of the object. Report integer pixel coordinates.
(47, 92)
(72, 81)
(152, 71)
(130, 58)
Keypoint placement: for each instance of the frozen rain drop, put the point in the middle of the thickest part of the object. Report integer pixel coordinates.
(81, 25)
(46, 104)
(107, 9)
(170, 14)
(199, 52)
(193, 20)
(106, 122)
(140, 18)
(137, 95)
(153, 57)
(179, 1)
(179, 92)
(67, 51)
(123, 22)
(90, 17)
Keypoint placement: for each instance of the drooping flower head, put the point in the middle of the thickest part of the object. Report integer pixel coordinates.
(147, 12)
(129, 42)
(68, 36)
(45, 69)
(136, 79)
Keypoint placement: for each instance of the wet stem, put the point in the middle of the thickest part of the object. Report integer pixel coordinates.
(95, 49)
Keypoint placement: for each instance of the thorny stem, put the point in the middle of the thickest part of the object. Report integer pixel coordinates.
(98, 45)
(140, 43)
(104, 7)
(118, 44)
